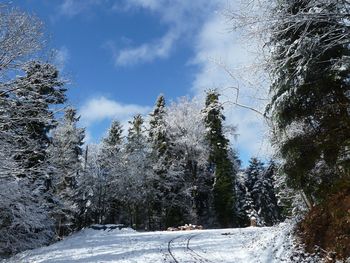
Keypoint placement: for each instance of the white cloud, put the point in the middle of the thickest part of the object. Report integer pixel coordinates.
(100, 109)
(181, 17)
(149, 4)
(146, 52)
(72, 8)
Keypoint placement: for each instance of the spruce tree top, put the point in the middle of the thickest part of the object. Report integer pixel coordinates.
(70, 115)
(213, 120)
(135, 129)
(41, 79)
(114, 137)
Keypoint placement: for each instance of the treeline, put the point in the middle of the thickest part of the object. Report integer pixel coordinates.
(177, 168)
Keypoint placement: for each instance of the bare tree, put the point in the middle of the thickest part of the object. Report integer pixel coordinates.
(20, 36)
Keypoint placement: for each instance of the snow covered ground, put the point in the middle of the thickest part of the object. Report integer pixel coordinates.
(248, 245)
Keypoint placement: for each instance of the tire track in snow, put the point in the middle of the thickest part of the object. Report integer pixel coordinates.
(169, 249)
(201, 258)
(188, 252)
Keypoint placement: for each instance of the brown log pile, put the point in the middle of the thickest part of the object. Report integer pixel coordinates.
(186, 227)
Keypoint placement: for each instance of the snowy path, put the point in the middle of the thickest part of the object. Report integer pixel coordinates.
(246, 245)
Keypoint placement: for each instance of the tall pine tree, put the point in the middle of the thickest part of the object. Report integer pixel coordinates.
(111, 166)
(219, 160)
(137, 181)
(65, 154)
(29, 118)
(160, 157)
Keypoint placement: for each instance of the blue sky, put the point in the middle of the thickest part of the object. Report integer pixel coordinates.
(120, 55)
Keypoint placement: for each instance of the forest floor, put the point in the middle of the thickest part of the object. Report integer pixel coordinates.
(259, 244)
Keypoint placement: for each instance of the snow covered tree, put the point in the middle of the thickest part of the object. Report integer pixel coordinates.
(136, 190)
(65, 154)
(157, 129)
(243, 200)
(33, 97)
(111, 163)
(26, 119)
(265, 200)
(291, 201)
(114, 140)
(160, 157)
(256, 194)
(310, 94)
(88, 191)
(24, 220)
(252, 180)
(21, 36)
(188, 182)
(220, 163)
(102, 181)
(66, 150)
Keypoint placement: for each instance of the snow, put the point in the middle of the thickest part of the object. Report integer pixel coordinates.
(252, 244)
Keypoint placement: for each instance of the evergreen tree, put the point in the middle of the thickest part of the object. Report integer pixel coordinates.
(35, 93)
(219, 160)
(157, 129)
(243, 200)
(137, 184)
(159, 143)
(27, 109)
(88, 190)
(259, 196)
(111, 164)
(252, 196)
(65, 159)
(66, 149)
(310, 100)
(264, 197)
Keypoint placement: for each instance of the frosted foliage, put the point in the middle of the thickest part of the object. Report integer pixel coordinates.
(20, 36)
(186, 126)
(90, 185)
(24, 223)
(64, 154)
(289, 199)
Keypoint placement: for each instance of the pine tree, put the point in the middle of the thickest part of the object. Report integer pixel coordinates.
(264, 197)
(111, 163)
(65, 154)
(157, 129)
(252, 179)
(137, 182)
(88, 188)
(243, 200)
(219, 160)
(114, 139)
(260, 200)
(29, 115)
(159, 143)
(28, 93)
(66, 149)
(310, 100)
(35, 93)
